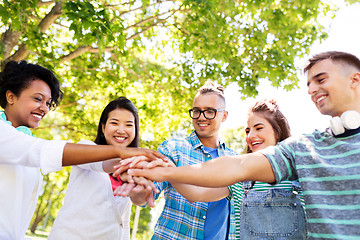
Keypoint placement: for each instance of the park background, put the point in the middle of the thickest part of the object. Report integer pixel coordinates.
(157, 53)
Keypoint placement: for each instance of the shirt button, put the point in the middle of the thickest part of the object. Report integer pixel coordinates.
(204, 217)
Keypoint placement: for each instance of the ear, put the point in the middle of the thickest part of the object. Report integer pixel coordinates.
(225, 115)
(355, 80)
(103, 128)
(10, 97)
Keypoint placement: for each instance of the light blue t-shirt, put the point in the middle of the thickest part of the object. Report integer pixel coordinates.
(217, 215)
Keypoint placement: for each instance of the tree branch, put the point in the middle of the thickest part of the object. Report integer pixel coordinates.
(50, 18)
(81, 50)
(10, 39)
(45, 23)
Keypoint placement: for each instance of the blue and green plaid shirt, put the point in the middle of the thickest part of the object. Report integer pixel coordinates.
(181, 219)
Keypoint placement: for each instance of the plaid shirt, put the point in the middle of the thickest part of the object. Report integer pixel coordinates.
(181, 219)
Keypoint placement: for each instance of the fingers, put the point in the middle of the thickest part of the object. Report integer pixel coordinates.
(125, 177)
(149, 185)
(146, 173)
(134, 160)
(150, 200)
(124, 190)
(119, 170)
(160, 163)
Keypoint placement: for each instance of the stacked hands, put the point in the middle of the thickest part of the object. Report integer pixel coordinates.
(132, 172)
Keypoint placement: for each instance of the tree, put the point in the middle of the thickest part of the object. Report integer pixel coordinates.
(157, 53)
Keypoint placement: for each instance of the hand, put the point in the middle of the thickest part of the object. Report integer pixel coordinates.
(129, 152)
(140, 162)
(124, 165)
(157, 174)
(127, 178)
(138, 194)
(133, 162)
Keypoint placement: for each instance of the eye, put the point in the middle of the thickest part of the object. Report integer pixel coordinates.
(247, 131)
(48, 104)
(37, 99)
(259, 128)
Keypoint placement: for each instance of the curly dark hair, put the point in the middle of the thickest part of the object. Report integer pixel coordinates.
(17, 76)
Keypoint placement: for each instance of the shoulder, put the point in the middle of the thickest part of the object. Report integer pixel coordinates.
(174, 143)
(87, 142)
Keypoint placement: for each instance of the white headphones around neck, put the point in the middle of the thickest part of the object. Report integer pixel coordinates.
(348, 120)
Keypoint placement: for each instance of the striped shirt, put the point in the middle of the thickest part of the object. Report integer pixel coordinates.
(181, 219)
(328, 169)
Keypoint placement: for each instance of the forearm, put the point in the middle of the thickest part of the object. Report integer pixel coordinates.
(75, 154)
(224, 171)
(200, 194)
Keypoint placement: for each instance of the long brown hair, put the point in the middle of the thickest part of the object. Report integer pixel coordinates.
(270, 111)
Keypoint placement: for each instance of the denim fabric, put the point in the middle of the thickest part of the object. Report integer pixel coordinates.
(272, 214)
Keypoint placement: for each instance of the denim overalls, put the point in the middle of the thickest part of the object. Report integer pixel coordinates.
(272, 214)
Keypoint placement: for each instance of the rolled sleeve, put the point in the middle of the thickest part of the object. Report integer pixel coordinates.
(51, 156)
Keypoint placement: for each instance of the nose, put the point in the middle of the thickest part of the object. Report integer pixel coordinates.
(120, 129)
(251, 134)
(44, 107)
(312, 88)
(202, 116)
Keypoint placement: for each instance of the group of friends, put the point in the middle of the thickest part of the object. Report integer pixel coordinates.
(281, 187)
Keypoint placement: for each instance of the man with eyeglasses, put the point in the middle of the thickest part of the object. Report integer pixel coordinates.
(181, 219)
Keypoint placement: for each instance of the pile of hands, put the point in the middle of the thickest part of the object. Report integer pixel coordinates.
(139, 188)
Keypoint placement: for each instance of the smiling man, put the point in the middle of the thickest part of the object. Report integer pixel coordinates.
(181, 219)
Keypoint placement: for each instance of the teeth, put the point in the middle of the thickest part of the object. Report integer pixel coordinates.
(320, 98)
(255, 143)
(120, 138)
(202, 125)
(37, 116)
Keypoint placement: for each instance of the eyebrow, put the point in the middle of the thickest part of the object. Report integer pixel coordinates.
(258, 124)
(316, 76)
(115, 119)
(43, 95)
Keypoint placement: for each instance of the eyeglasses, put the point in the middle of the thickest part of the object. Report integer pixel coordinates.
(208, 113)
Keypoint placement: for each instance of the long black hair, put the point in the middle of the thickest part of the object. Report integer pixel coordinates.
(119, 103)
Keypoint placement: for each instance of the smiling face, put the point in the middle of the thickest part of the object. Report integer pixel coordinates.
(259, 132)
(331, 86)
(208, 129)
(30, 106)
(119, 128)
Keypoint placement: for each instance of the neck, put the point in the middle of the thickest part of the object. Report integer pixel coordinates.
(211, 142)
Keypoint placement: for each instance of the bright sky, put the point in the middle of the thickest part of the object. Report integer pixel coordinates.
(303, 117)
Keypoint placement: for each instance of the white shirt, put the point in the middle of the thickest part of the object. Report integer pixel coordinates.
(21, 157)
(90, 210)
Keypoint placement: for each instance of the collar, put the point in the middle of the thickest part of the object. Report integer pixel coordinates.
(196, 143)
(22, 129)
(347, 133)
